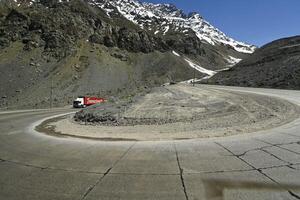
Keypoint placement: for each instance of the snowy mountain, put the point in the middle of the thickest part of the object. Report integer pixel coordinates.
(116, 48)
(166, 18)
(163, 19)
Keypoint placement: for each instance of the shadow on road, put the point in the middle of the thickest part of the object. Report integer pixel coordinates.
(214, 188)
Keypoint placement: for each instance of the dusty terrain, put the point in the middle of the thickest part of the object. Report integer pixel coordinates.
(275, 65)
(182, 111)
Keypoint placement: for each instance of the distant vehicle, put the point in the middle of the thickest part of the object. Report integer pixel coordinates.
(82, 101)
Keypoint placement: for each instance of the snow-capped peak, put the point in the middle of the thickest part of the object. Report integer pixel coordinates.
(162, 18)
(161, 10)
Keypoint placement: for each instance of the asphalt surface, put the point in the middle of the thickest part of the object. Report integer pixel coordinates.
(263, 165)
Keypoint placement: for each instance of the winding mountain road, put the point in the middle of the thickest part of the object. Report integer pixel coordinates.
(263, 165)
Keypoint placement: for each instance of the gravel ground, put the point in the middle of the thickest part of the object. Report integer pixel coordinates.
(180, 112)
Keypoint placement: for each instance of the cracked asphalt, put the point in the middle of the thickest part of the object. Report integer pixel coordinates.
(262, 165)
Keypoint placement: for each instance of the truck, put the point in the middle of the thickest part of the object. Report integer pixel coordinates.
(84, 101)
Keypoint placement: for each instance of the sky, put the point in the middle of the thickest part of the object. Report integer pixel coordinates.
(253, 21)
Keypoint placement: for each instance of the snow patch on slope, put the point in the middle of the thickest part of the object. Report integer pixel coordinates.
(175, 53)
(166, 29)
(233, 61)
(210, 73)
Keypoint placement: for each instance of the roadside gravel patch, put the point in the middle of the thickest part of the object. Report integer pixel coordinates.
(181, 112)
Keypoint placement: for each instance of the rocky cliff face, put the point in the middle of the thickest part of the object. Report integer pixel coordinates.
(275, 65)
(98, 47)
(127, 24)
(166, 19)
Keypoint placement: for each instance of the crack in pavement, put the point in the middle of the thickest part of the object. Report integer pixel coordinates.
(277, 144)
(291, 167)
(293, 194)
(279, 185)
(56, 169)
(280, 145)
(287, 149)
(278, 158)
(94, 185)
(149, 174)
(222, 171)
(239, 157)
(48, 168)
(181, 173)
(275, 167)
(90, 189)
(259, 170)
(250, 150)
(266, 151)
(23, 164)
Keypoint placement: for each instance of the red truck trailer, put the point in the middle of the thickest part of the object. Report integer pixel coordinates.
(83, 101)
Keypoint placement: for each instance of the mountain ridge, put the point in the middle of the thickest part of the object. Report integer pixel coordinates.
(171, 17)
(76, 48)
(274, 65)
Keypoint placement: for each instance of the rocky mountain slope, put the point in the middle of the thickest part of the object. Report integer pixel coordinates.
(53, 50)
(166, 19)
(275, 65)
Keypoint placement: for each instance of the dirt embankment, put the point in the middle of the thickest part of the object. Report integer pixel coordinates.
(179, 112)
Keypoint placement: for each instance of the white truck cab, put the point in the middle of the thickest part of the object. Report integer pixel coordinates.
(79, 102)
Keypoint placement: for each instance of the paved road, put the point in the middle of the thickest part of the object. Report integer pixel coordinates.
(263, 165)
